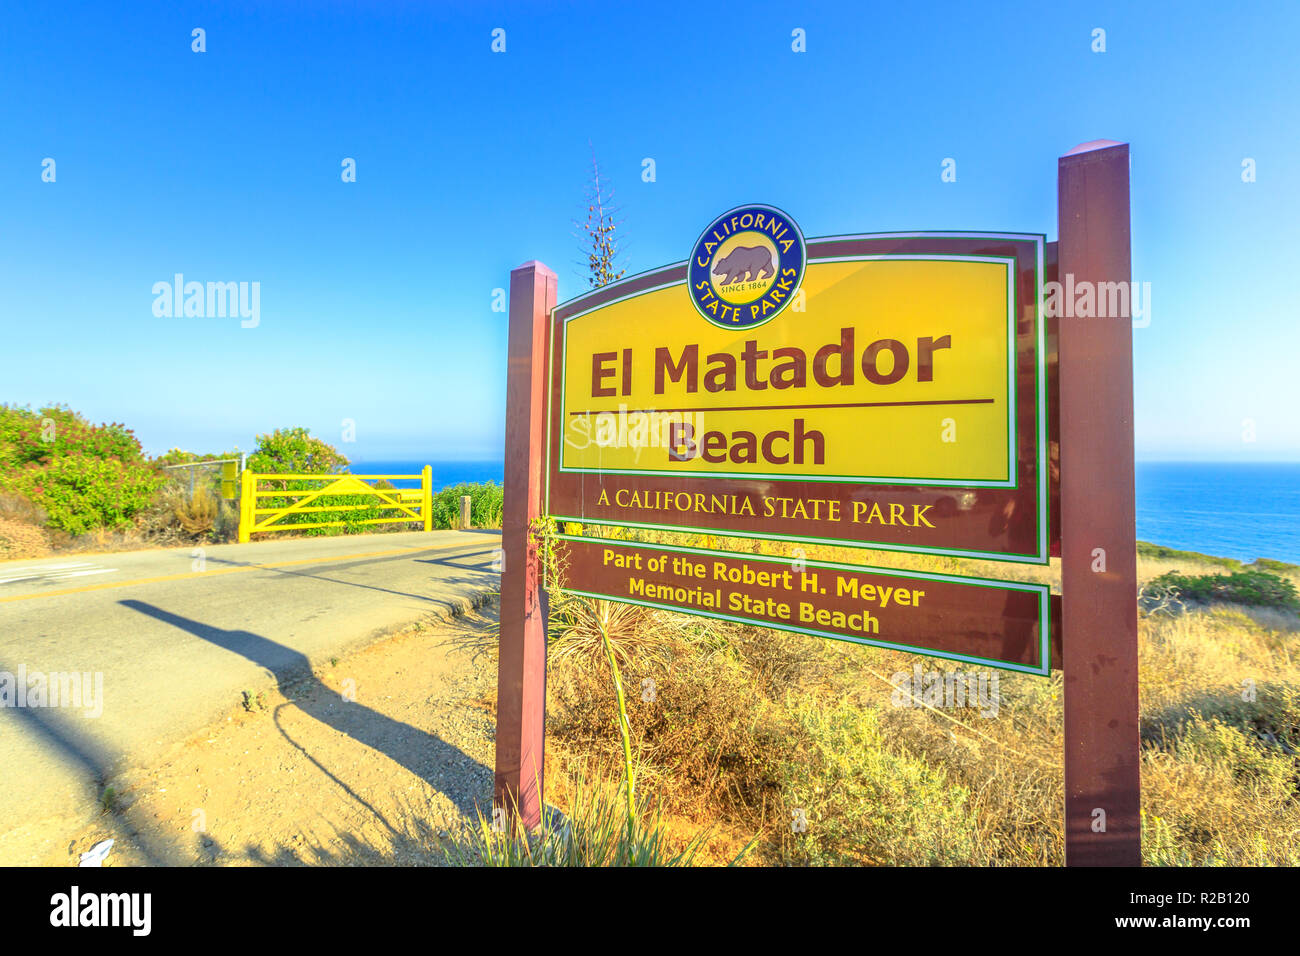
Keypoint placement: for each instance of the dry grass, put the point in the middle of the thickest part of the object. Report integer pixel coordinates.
(20, 540)
(747, 731)
(22, 531)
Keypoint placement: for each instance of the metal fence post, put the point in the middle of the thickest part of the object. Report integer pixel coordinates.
(426, 506)
(247, 501)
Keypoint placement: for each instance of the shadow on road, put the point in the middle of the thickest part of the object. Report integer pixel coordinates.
(419, 752)
(461, 561)
(57, 733)
(483, 567)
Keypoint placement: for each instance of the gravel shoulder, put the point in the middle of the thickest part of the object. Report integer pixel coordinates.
(369, 760)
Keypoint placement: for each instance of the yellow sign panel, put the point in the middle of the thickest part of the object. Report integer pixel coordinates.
(887, 369)
(229, 472)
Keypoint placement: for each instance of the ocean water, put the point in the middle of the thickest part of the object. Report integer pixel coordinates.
(444, 472)
(1242, 511)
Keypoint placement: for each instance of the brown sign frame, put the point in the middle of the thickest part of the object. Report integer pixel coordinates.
(1010, 524)
(955, 623)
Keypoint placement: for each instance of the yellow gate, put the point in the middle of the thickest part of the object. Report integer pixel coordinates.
(411, 504)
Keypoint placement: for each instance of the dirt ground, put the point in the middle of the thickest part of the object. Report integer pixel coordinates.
(274, 785)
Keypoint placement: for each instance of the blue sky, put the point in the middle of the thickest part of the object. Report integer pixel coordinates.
(376, 295)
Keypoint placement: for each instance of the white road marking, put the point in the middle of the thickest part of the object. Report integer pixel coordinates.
(77, 574)
(53, 572)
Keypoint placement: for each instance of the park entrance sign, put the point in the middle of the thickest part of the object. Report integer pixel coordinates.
(895, 391)
(974, 620)
(894, 397)
(897, 401)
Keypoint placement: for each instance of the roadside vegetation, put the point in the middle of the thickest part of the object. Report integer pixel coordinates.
(797, 750)
(743, 742)
(594, 832)
(67, 484)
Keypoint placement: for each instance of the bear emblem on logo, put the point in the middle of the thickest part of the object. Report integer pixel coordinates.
(745, 262)
(746, 266)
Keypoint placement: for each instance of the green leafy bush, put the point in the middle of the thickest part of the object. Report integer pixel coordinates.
(83, 476)
(28, 437)
(1259, 588)
(177, 456)
(486, 502)
(80, 492)
(295, 451)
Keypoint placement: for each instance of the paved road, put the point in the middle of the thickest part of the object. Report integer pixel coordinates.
(176, 637)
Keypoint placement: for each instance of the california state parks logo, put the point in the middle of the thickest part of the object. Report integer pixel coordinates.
(746, 266)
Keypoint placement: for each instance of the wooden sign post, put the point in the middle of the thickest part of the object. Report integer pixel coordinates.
(688, 398)
(1098, 533)
(521, 673)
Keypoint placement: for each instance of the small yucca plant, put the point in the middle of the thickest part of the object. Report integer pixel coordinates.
(589, 629)
(595, 832)
(198, 513)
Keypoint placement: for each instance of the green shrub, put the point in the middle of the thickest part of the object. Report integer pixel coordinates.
(852, 796)
(80, 492)
(1268, 564)
(178, 457)
(82, 476)
(295, 451)
(1259, 588)
(34, 437)
(486, 502)
(1146, 549)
